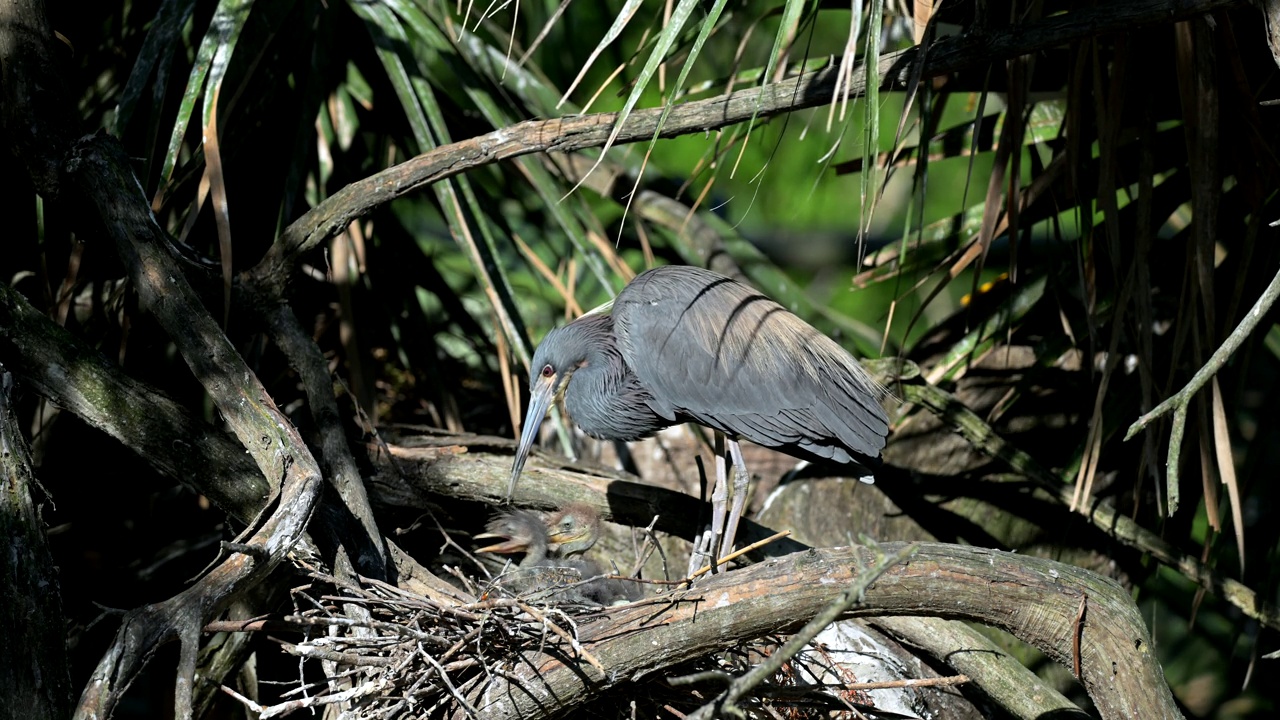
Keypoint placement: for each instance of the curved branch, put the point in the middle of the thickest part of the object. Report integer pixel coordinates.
(1034, 599)
(851, 597)
(352, 523)
(1100, 514)
(439, 466)
(1179, 401)
(996, 674)
(77, 378)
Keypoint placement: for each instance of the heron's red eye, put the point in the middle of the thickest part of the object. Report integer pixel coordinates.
(548, 371)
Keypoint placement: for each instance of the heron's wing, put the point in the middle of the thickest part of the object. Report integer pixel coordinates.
(722, 353)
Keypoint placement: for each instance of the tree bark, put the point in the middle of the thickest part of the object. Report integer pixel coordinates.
(34, 679)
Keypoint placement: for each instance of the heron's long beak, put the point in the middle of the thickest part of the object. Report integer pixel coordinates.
(540, 397)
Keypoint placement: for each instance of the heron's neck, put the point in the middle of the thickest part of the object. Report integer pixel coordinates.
(604, 397)
(536, 552)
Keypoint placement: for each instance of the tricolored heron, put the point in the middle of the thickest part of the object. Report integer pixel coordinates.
(682, 344)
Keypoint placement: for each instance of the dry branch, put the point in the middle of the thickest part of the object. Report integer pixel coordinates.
(504, 660)
(1180, 401)
(852, 596)
(99, 169)
(460, 466)
(96, 169)
(1034, 599)
(34, 678)
(1101, 514)
(354, 532)
(998, 675)
(76, 377)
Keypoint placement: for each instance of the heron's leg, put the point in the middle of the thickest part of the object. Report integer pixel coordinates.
(740, 482)
(702, 540)
(719, 501)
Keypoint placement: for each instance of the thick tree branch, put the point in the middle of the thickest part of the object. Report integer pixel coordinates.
(36, 117)
(850, 598)
(79, 379)
(1036, 600)
(100, 170)
(355, 526)
(427, 466)
(33, 112)
(996, 674)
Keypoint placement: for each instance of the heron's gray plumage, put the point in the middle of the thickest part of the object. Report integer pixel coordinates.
(684, 344)
(720, 353)
(604, 397)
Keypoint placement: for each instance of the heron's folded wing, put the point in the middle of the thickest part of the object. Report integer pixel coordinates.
(721, 352)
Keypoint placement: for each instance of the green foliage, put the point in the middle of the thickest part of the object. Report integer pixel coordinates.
(1090, 262)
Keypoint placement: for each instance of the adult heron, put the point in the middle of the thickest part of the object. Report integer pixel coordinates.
(682, 344)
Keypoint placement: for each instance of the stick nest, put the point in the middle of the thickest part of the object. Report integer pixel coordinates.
(389, 653)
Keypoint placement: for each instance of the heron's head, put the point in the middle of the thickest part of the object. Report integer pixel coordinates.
(573, 530)
(517, 531)
(563, 351)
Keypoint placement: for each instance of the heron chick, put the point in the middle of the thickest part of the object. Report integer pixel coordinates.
(550, 546)
(520, 531)
(572, 530)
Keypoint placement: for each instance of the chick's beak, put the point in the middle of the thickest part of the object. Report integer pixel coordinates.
(508, 546)
(564, 537)
(541, 395)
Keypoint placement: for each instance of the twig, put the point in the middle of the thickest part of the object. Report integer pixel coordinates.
(444, 678)
(284, 708)
(736, 554)
(646, 550)
(1179, 401)
(253, 551)
(1102, 515)
(340, 658)
(911, 682)
(573, 641)
(1076, 636)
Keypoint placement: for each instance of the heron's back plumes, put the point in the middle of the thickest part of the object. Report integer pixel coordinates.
(717, 351)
